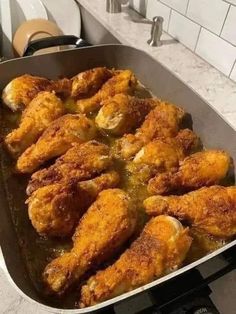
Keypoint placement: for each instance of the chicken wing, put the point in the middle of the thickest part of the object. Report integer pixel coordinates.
(200, 169)
(123, 82)
(106, 225)
(54, 210)
(161, 248)
(210, 209)
(37, 116)
(81, 162)
(163, 121)
(122, 113)
(56, 140)
(87, 83)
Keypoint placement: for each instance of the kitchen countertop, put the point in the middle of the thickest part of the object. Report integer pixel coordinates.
(130, 29)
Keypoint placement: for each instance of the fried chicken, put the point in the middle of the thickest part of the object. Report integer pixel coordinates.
(56, 140)
(106, 225)
(122, 82)
(37, 116)
(161, 155)
(122, 113)
(163, 121)
(87, 83)
(54, 210)
(204, 168)
(161, 248)
(20, 91)
(81, 162)
(210, 209)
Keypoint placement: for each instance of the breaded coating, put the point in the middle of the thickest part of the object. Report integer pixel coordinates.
(81, 162)
(204, 168)
(21, 90)
(122, 113)
(210, 209)
(37, 116)
(56, 140)
(163, 121)
(87, 83)
(103, 229)
(161, 155)
(54, 210)
(160, 249)
(122, 82)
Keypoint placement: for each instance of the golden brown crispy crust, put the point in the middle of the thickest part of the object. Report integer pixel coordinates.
(123, 82)
(87, 83)
(122, 113)
(204, 168)
(81, 162)
(106, 225)
(163, 121)
(55, 209)
(40, 112)
(161, 247)
(210, 209)
(56, 140)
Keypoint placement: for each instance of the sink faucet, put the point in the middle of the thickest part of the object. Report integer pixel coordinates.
(156, 32)
(113, 6)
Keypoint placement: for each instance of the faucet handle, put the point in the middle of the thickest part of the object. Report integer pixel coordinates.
(156, 31)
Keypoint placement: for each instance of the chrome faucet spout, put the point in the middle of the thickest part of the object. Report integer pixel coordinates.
(113, 6)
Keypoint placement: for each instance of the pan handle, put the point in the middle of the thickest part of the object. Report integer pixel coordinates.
(53, 41)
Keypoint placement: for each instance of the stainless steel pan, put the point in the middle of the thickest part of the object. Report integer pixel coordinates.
(211, 127)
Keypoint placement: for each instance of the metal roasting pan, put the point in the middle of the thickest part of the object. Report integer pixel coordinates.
(214, 131)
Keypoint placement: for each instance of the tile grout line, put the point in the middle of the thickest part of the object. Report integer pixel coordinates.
(197, 39)
(225, 20)
(168, 26)
(232, 68)
(187, 8)
(196, 24)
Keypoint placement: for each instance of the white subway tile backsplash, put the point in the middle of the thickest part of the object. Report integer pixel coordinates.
(179, 5)
(233, 73)
(155, 8)
(184, 30)
(229, 30)
(216, 51)
(208, 13)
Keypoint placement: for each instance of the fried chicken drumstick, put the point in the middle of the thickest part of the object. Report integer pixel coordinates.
(163, 121)
(123, 113)
(210, 209)
(161, 248)
(37, 116)
(122, 82)
(81, 162)
(107, 224)
(56, 140)
(55, 209)
(204, 168)
(87, 83)
(161, 155)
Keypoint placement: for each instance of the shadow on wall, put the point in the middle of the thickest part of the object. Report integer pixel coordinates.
(139, 5)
